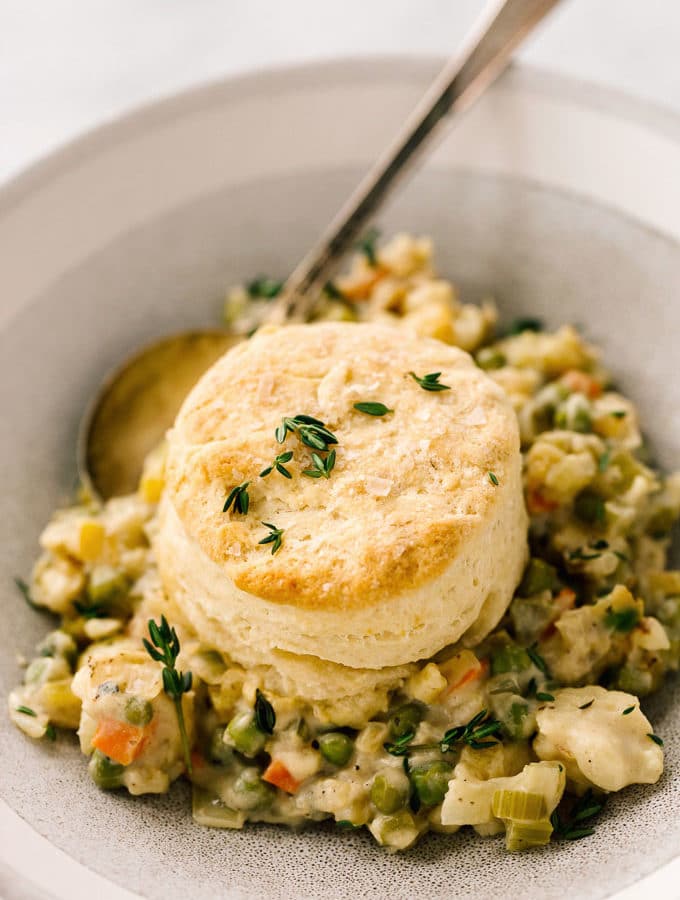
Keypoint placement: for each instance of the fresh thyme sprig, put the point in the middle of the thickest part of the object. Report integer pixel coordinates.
(430, 382)
(164, 647)
(321, 468)
(370, 408)
(366, 245)
(239, 498)
(265, 717)
(278, 464)
(312, 432)
(274, 537)
(474, 734)
(572, 825)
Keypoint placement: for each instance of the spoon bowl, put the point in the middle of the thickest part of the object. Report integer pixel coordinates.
(137, 404)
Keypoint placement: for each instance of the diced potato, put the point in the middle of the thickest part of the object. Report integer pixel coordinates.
(426, 684)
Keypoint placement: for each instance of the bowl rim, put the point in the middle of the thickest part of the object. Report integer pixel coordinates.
(281, 77)
(272, 79)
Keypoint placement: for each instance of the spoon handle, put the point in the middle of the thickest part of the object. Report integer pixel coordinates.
(484, 54)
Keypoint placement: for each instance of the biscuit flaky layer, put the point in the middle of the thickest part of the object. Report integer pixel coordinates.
(409, 546)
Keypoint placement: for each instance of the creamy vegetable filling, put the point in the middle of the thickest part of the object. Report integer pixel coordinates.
(524, 734)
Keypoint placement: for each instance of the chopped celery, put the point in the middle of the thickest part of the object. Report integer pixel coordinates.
(106, 585)
(509, 658)
(489, 358)
(59, 703)
(218, 751)
(398, 831)
(209, 810)
(538, 576)
(523, 835)
(522, 805)
(251, 791)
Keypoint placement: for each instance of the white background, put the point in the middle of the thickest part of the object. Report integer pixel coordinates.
(66, 65)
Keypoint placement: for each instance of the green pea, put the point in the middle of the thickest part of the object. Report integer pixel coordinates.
(389, 791)
(431, 781)
(336, 747)
(138, 711)
(574, 415)
(509, 658)
(247, 737)
(538, 576)
(405, 719)
(589, 507)
(489, 358)
(105, 773)
(251, 790)
(218, 751)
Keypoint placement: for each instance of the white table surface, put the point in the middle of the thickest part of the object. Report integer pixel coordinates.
(67, 65)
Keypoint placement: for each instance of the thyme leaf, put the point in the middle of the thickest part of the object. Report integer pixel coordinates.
(321, 468)
(430, 382)
(372, 409)
(238, 498)
(265, 717)
(278, 465)
(274, 537)
(164, 647)
(312, 432)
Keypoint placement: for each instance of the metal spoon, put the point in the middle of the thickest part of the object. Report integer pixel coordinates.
(138, 402)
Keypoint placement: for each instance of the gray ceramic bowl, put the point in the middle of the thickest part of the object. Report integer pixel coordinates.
(560, 201)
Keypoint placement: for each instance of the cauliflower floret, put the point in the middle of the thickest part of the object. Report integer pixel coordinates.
(601, 744)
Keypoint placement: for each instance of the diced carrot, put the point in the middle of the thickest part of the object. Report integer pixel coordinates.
(582, 383)
(565, 599)
(197, 760)
(360, 290)
(478, 669)
(537, 503)
(278, 775)
(119, 741)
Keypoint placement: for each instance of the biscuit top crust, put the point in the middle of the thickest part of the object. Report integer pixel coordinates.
(407, 491)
